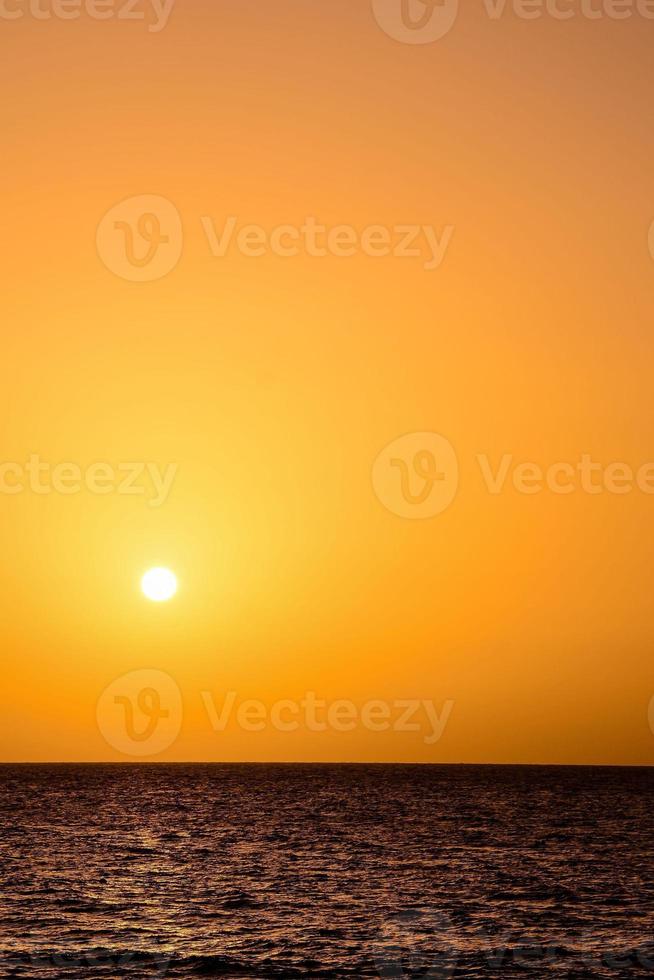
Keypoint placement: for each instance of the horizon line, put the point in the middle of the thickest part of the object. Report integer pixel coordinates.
(454, 765)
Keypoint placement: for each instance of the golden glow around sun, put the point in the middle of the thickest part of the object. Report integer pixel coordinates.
(159, 584)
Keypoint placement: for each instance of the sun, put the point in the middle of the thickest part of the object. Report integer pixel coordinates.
(159, 584)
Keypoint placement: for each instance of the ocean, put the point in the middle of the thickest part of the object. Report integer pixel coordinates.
(326, 871)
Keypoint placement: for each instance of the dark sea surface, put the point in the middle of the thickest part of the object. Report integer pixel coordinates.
(326, 871)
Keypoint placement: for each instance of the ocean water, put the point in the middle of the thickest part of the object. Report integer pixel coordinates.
(326, 871)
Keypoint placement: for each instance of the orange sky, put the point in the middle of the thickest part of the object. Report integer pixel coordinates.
(273, 383)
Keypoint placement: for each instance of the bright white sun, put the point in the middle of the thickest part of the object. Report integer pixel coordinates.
(159, 584)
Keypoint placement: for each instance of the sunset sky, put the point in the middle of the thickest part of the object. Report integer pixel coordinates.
(273, 383)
